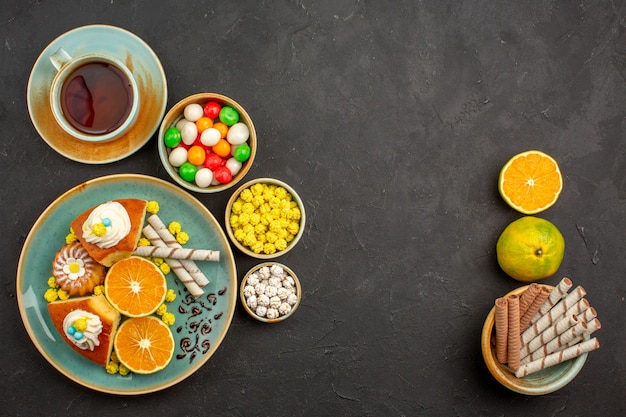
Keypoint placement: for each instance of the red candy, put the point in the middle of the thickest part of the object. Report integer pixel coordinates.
(213, 161)
(223, 175)
(212, 109)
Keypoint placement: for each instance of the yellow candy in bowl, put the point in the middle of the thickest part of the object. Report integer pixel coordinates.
(265, 218)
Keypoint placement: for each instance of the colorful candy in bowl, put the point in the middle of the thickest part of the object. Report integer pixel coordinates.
(207, 142)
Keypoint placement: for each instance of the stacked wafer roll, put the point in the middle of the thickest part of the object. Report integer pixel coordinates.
(181, 260)
(542, 327)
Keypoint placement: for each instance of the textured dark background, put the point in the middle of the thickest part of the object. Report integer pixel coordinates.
(392, 120)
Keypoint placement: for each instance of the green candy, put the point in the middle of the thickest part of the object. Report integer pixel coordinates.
(229, 116)
(242, 152)
(187, 171)
(172, 137)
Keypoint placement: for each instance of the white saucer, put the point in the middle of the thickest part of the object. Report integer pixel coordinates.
(136, 55)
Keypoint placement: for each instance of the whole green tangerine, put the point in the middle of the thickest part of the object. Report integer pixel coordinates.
(530, 249)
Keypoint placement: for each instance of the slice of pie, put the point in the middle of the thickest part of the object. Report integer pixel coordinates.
(87, 324)
(110, 231)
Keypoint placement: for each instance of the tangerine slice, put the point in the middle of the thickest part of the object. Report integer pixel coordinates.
(135, 286)
(144, 344)
(530, 182)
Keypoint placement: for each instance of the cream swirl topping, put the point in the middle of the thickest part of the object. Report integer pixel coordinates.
(82, 328)
(106, 225)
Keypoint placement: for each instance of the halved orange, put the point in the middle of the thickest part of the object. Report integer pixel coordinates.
(530, 182)
(144, 344)
(135, 286)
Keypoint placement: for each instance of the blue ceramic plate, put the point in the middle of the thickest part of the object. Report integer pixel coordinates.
(201, 324)
(136, 55)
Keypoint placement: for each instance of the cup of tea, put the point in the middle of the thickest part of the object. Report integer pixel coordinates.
(94, 97)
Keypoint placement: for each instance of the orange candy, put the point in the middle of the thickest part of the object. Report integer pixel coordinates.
(196, 155)
(222, 148)
(203, 124)
(222, 128)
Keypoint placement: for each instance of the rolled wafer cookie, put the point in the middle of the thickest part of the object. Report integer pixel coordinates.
(554, 314)
(592, 326)
(557, 357)
(548, 334)
(588, 315)
(196, 273)
(171, 241)
(532, 309)
(577, 309)
(556, 295)
(527, 298)
(178, 269)
(184, 276)
(502, 325)
(558, 343)
(513, 335)
(178, 253)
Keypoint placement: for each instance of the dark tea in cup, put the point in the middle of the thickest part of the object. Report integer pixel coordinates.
(96, 98)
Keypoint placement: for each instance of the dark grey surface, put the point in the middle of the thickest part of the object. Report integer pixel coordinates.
(392, 120)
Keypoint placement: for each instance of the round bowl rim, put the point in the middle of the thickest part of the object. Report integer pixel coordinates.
(246, 250)
(243, 298)
(502, 373)
(175, 113)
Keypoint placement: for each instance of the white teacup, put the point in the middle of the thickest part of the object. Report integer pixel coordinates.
(94, 97)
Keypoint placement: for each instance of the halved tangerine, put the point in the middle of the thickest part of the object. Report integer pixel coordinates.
(530, 182)
(135, 286)
(144, 344)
